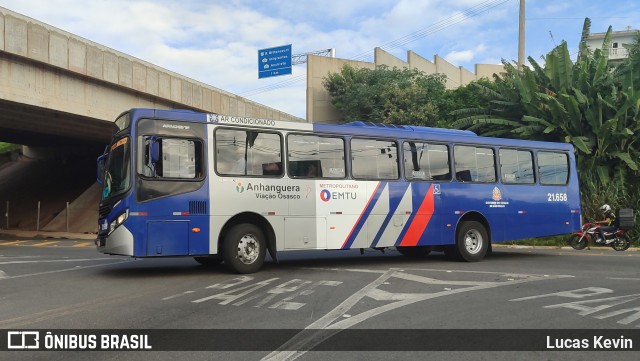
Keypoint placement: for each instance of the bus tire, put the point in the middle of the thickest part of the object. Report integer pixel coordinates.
(244, 248)
(210, 261)
(472, 242)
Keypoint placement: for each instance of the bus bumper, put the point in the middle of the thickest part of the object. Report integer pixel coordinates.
(119, 242)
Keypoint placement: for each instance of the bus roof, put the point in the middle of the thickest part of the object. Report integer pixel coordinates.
(433, 134)
(386, 127)
(368, 129)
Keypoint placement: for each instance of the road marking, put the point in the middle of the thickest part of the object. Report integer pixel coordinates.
(61, 244)
(3, 275)
(13, 243)
(281, 296)
(100, 303)
(228, 297)
(433, 281)
(623, 278)
(58, 260)
(590, 306)
(316, 333)
(234, 282)
(45, 243)
(579, 294)
(76, 268)
(83, 244)
(177, 295)
(16, 257)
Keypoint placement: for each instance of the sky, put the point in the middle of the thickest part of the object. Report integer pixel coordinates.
(216, 42)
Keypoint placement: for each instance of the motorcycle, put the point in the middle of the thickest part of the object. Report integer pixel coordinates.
(618, 240)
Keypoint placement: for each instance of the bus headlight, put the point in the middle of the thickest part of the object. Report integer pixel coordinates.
(119, 220)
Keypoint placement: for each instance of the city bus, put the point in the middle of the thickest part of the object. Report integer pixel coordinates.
(229, 189)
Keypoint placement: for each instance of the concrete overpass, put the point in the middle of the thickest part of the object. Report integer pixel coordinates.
(56, 85)
(60, 90)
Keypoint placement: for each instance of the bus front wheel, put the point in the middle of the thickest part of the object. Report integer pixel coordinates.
(472, 242)
(244, 248)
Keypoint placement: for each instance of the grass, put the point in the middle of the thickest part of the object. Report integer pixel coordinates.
(5, 152)
(556, 241)
(8, 147)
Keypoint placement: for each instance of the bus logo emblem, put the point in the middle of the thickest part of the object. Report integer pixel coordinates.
(497, 196)
(239, 186)
(325, 195)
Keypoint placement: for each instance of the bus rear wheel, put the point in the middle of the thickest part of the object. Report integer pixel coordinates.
(472, 242)
(244, 248)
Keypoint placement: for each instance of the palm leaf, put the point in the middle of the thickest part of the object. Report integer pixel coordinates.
(582, 143)
(625, 157)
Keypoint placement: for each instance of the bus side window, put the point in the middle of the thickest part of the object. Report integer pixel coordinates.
(248, 152)
(312, 156)
(516, 166)
(474, 164)
(273, 168)
(374, 159)
(463, 176)
(426, 161)
(553, 168)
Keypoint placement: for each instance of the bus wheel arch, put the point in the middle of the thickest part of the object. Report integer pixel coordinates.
(472, 238)
(263, 230)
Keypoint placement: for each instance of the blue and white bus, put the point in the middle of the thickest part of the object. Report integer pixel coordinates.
(229, 189)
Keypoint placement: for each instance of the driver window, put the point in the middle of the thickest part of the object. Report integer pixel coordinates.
(179, 159)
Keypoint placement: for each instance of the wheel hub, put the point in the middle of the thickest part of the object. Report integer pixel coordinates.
(473, 241)
(248, 249)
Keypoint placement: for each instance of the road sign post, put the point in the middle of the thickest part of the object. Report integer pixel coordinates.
(274, 61)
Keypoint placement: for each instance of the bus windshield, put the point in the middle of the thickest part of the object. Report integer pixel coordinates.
(117, 176)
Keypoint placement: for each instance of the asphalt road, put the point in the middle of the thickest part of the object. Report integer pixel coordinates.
(53, 284)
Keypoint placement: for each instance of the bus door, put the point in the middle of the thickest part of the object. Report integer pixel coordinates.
(305, 225)
(347, 206)
(316, 167)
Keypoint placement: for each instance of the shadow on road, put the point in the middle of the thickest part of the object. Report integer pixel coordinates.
(290, 261)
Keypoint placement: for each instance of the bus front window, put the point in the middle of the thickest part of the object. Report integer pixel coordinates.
(117, 176)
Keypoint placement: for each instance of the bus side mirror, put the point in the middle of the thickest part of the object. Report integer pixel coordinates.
(100, 167)
(154, 150)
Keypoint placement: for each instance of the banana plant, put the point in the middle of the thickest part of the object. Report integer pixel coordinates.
(586, 103)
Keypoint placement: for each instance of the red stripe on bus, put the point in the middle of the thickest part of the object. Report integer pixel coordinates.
(420, 221)
(361, 214)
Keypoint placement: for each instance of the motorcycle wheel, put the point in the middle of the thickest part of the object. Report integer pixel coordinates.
(622, 243)
(578, 243)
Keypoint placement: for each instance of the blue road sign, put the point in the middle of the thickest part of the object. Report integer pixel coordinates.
(274, 61)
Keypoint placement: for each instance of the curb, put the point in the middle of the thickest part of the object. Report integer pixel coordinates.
(19, 234)
(564, 248)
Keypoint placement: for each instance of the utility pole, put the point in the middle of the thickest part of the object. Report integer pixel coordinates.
(521, 37)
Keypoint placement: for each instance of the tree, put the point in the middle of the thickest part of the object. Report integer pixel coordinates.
(464, 97)
(399, 96)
